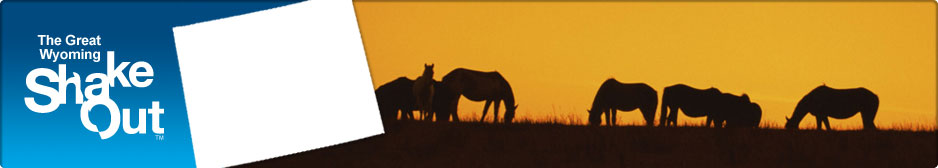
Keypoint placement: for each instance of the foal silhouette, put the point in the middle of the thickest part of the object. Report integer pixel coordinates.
(614, 95)
(396, 95)
(823, 102)
(423, 91)
(481, 86)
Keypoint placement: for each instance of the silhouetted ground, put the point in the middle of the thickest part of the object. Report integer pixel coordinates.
(426, 144)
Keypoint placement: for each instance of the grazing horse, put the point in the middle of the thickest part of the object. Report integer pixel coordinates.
(423, 91)
(481, 86)
(737, 111)
(823, 102)
(693, 102)
(396, 95)
(614, 95)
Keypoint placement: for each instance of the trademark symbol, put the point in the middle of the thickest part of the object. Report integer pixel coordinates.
(159, 137)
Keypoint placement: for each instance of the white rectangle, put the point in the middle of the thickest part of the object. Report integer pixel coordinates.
(275, 82)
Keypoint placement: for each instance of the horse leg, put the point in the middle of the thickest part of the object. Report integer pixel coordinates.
(423, 110)
(410, 114)
(495, 113)
(420, 112)
(452, 110)
(868, 116)
(663, 121)
(672, 116)
(606, 112)
(827, 123)
(486, 109)
(419, 108)
(649, 116)
(613, 112)
(709, 120)
(424, 113)
(430, 106)
(403, 114)
(819, 122)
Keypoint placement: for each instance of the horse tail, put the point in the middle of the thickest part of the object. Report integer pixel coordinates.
(756, 117)
(651, 98)
(868, 113)
(874, 102)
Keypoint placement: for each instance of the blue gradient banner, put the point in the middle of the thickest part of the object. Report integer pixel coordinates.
(48, 44)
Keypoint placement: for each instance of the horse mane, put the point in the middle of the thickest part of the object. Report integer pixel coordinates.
(509, 94)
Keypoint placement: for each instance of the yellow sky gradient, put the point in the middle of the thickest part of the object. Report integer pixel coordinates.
(556, 54)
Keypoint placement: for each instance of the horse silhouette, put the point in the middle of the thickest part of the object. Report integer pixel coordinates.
(444, 103)
(395, 96)
(614, 95)
(823, 102)
(481, 86)
(423, 91)
(693, 102)
(736, 111)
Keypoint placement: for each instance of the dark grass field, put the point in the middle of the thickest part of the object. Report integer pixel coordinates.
(427, 144)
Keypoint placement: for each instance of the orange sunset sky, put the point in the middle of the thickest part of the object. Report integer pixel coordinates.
(556, 54)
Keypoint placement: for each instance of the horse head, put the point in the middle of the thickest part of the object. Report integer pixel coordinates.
(428, 70)
(789, 124)
(595, 116)
(510, 113)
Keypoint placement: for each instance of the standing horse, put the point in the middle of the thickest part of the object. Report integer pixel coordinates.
(423, 91)
(396, 95)
(614, 95)
(693, 102)
(823, 102)
(481, 86)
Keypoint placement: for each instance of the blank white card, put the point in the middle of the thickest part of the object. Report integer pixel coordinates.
(275, 82)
